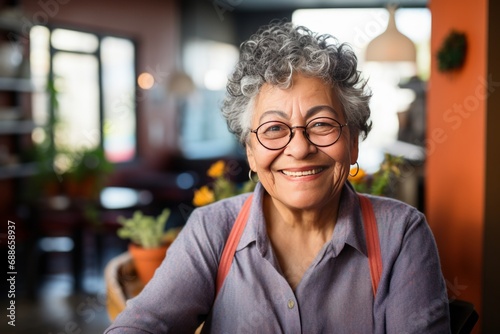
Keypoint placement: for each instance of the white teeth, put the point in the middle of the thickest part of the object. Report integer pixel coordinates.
(303, 173)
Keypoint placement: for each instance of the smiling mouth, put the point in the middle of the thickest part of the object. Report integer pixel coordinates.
(303, 173)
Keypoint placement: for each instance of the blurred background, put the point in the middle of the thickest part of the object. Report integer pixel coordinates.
(111, 107)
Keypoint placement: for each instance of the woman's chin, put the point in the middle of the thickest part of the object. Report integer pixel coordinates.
(302, 200)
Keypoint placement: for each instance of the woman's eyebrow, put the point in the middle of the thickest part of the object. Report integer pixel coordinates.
(279, 113)
(311, 112)
(316, 109)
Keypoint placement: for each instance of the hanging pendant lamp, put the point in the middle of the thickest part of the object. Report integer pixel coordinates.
(391, 45)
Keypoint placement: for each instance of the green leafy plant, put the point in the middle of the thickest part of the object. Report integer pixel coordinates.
(62, 168)
(89, 162)
(378, 183)
(146, 231)
(451, 54)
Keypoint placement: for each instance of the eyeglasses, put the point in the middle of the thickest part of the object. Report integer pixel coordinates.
(321, 131)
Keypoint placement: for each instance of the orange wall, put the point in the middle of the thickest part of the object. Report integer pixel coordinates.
(455, 169)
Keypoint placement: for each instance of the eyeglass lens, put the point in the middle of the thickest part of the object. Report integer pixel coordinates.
(322, 131)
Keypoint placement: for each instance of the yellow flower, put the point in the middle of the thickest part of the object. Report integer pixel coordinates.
(220, 187)
(203, 196)
(217, 169)
(358, 177)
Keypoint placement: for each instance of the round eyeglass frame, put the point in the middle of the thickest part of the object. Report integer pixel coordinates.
(306, 134)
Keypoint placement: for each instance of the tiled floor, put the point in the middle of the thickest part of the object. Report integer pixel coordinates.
(58, 310)
(56, 307)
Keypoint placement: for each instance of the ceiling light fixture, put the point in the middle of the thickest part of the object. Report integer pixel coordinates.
(391, 45)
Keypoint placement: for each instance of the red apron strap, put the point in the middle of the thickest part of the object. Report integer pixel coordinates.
(231, 244)
(372, 241)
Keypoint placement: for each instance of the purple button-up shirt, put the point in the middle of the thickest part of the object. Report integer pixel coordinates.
(334, 296)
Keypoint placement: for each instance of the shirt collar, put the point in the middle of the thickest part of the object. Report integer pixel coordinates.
(348, 229)
(255, 230)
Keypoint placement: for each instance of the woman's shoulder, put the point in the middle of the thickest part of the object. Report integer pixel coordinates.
(218, 217)
(227, 208)
(399, 224)
(208, 227)
(391, 210)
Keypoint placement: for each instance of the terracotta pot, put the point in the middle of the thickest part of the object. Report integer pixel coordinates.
(86, 188)
(147, 260)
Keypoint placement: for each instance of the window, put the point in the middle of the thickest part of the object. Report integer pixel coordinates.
(204, 131)
(93, 79)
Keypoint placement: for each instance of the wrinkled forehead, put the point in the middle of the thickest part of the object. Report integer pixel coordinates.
(308, 96)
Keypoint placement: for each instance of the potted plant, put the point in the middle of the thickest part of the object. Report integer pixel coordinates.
(149, 241)
(86, 176)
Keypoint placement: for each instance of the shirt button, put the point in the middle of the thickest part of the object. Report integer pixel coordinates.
(291, 304)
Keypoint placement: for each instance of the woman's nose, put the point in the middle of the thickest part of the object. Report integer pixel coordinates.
(300, 146)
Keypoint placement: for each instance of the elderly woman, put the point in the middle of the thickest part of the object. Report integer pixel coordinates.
(297, 103)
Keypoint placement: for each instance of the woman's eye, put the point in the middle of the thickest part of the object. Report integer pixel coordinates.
(321, 124)
(275, 128)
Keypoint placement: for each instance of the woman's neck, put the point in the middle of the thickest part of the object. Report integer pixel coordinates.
(297, 236)
(318, 221)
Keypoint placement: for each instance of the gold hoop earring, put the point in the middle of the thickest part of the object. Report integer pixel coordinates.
(357, 170)
(250, 176)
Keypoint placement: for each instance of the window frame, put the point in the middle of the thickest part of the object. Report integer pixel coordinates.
(101, 108)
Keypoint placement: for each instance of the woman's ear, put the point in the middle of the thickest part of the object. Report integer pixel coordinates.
(250, 157)
(354, 147)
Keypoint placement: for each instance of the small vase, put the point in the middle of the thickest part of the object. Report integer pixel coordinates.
(147, 260)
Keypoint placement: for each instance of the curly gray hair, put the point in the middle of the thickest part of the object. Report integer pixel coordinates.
(279, 50)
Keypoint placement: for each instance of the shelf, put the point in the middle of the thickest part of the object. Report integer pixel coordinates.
(16, 84)
(16, 127)
(13, 24)
(10, 113)
(406, 150)
(18, 170)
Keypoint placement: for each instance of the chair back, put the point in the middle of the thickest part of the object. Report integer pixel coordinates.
(463, 316)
